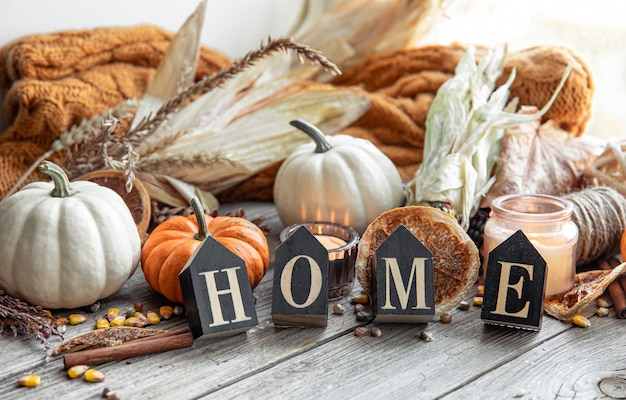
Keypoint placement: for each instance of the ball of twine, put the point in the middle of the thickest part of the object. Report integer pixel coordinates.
(600, 215)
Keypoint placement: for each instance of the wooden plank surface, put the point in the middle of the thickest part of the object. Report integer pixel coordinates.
(465, 359)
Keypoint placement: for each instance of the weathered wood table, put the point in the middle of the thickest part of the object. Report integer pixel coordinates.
(465, 360)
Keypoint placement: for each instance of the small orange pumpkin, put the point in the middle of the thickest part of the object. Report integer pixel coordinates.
(174, 241)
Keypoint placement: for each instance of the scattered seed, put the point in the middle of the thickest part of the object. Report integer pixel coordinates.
(376, 332)
(75, 319)
(360, 331)
(362, 316)
(426, 336)
(102, 323)
(602, 312)
(118, 321)
(581, 321)
(445, 318)
(478, 301)
(62, 329)
(338, 309)
(95, 307)
(93, 375)
(358, 308)
(166, 312)
(138, 306)
(76, 371)
(480, 290)
(178, 311)
(29, 381)
(602, 302)
(362, 298)
(153, 317)
(110, 394)
(464, 305)
(113, 312)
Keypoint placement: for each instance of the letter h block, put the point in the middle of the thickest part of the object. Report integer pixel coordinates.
(404, 290)
(217, 293)
(300, 296)
(515, 283)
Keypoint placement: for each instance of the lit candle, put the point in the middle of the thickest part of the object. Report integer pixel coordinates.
(545, 220)
(331, 243)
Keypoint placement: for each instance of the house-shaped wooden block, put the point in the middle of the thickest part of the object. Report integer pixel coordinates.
(217, 293)
(300, 296)
(404, 280)
(515, 283)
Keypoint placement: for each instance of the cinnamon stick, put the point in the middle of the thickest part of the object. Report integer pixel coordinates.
(616, 289)
(175, 339)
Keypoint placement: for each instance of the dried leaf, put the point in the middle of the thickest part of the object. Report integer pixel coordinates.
(540, 159)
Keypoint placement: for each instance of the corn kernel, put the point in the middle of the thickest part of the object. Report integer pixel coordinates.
(118, 321)
(102, 323)
(362, 298)
(478, 301)
(166, 312)
(113, 312)
(581, 321)
(480, 290)
(445, 318)
(75, 319)
(141, 318)
(131, 321)
(77, 371)
(60, 321)
(93, 375)
(153, 317)
(29, 381)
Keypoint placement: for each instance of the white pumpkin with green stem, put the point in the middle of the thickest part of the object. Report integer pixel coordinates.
(336, 178)
(66, 245)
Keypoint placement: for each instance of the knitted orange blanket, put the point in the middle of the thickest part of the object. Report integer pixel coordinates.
(53, 81)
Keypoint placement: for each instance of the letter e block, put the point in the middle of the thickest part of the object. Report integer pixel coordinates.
(404, 290)
(515, 283)
(300, 296)
(217, 293)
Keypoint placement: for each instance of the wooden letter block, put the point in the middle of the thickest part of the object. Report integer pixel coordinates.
(515, 284)
(300, 296)
(404, 289)
(217, 293)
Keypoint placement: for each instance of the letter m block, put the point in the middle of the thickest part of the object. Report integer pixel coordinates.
(404, 281)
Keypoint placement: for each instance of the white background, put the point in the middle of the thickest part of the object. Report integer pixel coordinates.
(595, 29)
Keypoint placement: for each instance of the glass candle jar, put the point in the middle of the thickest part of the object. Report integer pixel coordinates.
(546, 222)
(341, 242)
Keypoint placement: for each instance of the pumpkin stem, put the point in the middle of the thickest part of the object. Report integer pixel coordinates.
(321, 144)
(198, 211)
(62, 187)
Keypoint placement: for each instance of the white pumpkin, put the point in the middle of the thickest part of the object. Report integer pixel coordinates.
(337, 178)
(66, 246)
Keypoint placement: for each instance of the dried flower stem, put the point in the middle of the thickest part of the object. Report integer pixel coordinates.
(22, 318)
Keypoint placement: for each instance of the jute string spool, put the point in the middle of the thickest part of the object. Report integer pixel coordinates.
(600, 215)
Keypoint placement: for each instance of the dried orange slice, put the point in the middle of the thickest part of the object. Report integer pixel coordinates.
(137, 200)
(455, 256)
(588, 286)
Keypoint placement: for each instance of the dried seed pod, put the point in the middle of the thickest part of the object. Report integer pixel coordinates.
(426, 336)
(581, 321)
(338, 309)
(93, 375)
(376, 332)
(602, 312)
(79, 318)
(102, 323)
(153, 317)
(360, 331)
(29, 381)
(77, 371)
(166, 312)
(445, 318)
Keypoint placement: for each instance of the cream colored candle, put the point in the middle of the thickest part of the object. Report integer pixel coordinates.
(545, 220)
(331, 243)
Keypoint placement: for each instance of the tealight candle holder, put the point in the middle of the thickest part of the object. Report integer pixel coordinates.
(546, 222)
(341, 242)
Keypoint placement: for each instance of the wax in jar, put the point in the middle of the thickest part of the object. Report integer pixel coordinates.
(331, 243)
